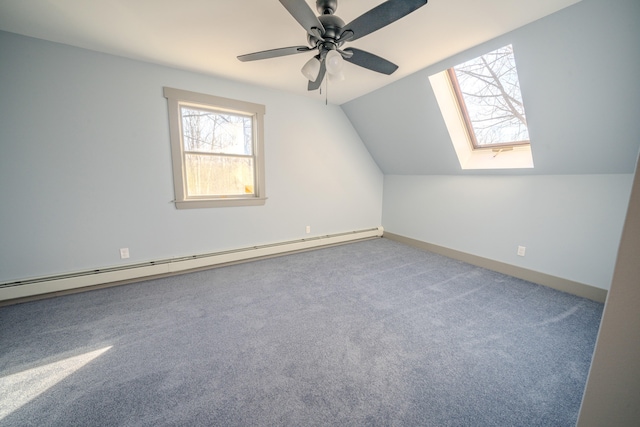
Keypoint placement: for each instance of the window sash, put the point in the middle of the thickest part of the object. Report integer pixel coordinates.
(216, 131)
(245, 187)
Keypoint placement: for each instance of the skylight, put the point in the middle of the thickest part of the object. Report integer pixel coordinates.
(488, 92)
(482, 106)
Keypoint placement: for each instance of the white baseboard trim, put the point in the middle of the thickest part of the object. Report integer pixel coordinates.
(52, 285)
(558, 283)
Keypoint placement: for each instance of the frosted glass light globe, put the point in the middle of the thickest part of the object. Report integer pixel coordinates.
(336, 77)
(334, 62)
(311, 69)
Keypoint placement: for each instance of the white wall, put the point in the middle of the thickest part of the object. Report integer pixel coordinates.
(85, 165)
(569, 224)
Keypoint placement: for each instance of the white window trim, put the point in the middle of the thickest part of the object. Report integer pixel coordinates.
(520, 157)
(178, 97)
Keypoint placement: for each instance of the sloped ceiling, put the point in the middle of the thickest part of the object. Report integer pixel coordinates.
(207, 35)
(578, 71)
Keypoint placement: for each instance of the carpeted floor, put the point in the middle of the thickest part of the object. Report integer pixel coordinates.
(369, 333)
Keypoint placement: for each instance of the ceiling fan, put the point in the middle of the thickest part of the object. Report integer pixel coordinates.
(327, 33)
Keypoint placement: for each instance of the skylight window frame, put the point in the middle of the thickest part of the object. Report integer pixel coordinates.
(462, 105)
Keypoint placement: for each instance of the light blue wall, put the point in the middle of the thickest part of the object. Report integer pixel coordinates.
(579, 71)
(85, 165)
(569, 224)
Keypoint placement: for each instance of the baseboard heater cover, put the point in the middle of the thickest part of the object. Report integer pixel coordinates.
(65, 282)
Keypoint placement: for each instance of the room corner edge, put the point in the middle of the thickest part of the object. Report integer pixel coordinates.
(554, 282)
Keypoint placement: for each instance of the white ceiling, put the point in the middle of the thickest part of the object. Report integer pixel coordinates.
(207, 35)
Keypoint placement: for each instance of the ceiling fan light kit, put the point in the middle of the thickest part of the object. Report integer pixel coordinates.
(311, 69)
(327, 33)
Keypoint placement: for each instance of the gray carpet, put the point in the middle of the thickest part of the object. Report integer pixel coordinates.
(370, 333)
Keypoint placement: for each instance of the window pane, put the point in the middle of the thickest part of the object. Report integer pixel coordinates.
(211, 132)
(219, 175)
(491, 92)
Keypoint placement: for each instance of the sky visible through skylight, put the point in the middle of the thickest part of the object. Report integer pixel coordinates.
(491, 91)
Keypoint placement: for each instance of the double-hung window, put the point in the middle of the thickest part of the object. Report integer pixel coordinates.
(217, 150)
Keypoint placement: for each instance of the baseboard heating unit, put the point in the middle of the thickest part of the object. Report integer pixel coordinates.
(131, 272)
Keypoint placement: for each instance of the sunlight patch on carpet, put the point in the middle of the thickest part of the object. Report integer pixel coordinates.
(20, 388)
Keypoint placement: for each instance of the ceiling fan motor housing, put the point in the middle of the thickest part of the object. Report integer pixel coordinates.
(332, 30)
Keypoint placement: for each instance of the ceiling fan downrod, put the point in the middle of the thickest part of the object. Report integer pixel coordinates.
(326, 7)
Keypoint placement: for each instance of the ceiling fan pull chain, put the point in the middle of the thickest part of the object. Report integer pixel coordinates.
(326, 91)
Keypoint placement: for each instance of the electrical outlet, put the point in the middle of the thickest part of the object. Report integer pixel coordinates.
(308, 229)
(124, 253)
(521, 250)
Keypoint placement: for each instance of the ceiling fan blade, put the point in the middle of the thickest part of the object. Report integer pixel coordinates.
(378, 17)
(274, 53)
(316, 84)
(370, 61)
(302, 13)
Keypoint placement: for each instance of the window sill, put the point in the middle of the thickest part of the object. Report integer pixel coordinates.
(219, 203)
